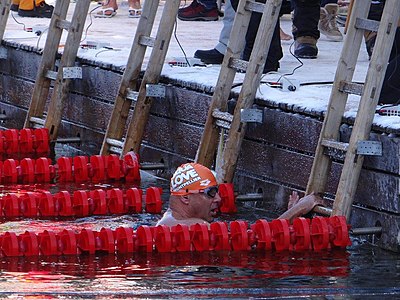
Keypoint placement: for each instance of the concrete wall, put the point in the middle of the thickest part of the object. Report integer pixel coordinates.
(276, 156)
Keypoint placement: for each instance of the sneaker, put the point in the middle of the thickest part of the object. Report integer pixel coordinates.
(192, 5)
(212, 56)
(306, 47)
(43, 10)
(198, 13)
(14, 7)
(327, 22)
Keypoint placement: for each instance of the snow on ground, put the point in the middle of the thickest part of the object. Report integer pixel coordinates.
(118, 33)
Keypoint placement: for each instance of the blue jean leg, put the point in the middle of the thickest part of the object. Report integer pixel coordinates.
(209, 4)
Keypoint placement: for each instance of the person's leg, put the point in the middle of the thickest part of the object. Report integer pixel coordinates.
(35, 8)
(390, 93)
(275, 50)
(229, 16)
(375, 13)
(199, 10)
(305, 27)
(208, 4)
(216, 55)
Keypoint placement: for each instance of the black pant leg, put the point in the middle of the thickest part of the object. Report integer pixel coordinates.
(390, 93)
(306, 18)
(275, 50)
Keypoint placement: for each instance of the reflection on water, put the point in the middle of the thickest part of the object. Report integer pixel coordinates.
(360, 271)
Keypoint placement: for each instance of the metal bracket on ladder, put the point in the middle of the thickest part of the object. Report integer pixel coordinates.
(155, 90)
(370, 148)
(251, 115)
(358, 145)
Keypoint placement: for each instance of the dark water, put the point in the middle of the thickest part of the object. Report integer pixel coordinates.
(360, 272)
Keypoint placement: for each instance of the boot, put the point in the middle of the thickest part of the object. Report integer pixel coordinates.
(35, 9)
(14, 5)
(306, 47)
(327, 22)
(212, 56)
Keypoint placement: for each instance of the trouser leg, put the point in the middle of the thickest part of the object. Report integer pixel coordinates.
(229, 15)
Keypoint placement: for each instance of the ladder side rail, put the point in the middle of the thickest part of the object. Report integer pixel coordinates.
(337, 101)
(49, 55)
(120, 113)
(249, 89)
(209, 141)
(4, 13)
(152, 74)
(366, 111)
(68, 58)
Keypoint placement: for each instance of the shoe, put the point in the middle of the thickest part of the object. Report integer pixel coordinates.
(197, 12)
(43, 10)
(212, 56)
(107, 12)
(192, 5)
(327, 22)
(14, 7)
(134, 12)
(306, 47)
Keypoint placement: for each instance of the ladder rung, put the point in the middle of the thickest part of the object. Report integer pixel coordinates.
(51, 74)
(367, 24)
(115, 150)
(222, 119)
(64, 24)
(146, 41)
(37, 120)
(335, 144)
(222, 115)
(115, 143)
(67, 73)
(326, 211)
(351, 88)
(238, 64)
(254, 6)
(223, 124)
(132, 95)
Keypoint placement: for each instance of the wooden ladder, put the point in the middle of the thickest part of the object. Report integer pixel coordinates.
(228, 155)
(4, 12)
(61, 74)
(329, 137)
(114, 141)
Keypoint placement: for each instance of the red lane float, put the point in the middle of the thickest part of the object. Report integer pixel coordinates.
(81, 203)
(80, 169)
(278, 235)
(24, 143)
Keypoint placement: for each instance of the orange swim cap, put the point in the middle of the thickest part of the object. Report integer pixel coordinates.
(191, 177)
